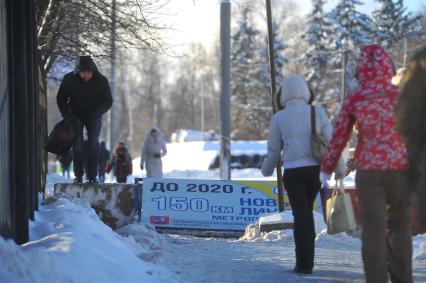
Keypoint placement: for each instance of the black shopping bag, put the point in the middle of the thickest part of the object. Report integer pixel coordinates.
(61, 137)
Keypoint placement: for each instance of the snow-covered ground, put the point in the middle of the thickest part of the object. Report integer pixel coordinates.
(68, 243)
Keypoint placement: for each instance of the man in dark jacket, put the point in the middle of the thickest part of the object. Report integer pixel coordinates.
(411, 123)
(65, 161)
(84, 95)
(103, 159)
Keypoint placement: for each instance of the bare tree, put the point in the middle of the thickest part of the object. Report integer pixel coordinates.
(69, 27)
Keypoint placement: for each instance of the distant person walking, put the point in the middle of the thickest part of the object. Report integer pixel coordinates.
(381, 164)
(103, 158)
(290, 137)
(154, 148)
(83, 96)
(65, 161)
(120, 163)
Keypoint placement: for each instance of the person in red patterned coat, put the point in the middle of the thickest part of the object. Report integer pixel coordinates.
(121, 163)
(381, 163)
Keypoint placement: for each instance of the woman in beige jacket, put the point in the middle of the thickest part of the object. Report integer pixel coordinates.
(154, 148)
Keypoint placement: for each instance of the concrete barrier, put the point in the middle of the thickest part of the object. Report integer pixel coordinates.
(113, 203)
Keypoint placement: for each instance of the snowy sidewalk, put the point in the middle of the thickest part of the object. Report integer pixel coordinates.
(197, 260)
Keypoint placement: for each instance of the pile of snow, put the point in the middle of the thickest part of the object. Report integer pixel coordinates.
(68, 243)
(253, 234)
(146, 236)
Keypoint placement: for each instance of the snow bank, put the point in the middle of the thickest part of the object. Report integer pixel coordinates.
(68, 243)
(253, 234)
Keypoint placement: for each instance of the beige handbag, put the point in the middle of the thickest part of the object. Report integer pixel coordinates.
(318, 143)
(340, 212)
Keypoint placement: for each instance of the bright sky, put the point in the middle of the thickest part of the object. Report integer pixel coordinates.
(197, 21)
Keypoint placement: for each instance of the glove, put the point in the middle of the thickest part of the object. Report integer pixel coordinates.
(324, 177)
(157, 155)
(141, 167)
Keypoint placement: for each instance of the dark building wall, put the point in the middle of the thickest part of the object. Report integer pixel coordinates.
(19, 142)
(5, 145)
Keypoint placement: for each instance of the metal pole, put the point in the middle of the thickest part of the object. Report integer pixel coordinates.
(203, 98)
(280, 183)
(225, 99)
(405, 52)
(112, 115)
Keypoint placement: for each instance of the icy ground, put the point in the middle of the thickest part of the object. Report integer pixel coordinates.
(270, 258)
(70, 244)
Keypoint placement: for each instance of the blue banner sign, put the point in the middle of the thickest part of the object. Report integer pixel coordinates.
(207, 204)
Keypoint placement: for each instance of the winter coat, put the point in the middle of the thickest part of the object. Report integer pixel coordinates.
(84, 99)
(411, 123)
(290, 129)
(103, 156)
(371, 106)
(120, 162)
(151, 155)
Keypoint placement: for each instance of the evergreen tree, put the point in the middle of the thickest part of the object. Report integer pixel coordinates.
(318, 35)
(351, 29)
(394, 23)
(246, 80)
(280, 58)
(351, 26)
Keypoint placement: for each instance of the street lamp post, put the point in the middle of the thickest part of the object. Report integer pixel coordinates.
(225, 100)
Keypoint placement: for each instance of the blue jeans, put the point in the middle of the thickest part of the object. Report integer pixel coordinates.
(93, 128)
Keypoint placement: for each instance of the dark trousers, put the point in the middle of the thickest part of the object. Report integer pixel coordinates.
(384, 199)
(302, 185)
(121, 179)
(93, 128)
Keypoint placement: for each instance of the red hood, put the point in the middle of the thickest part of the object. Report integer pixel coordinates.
(375, 68)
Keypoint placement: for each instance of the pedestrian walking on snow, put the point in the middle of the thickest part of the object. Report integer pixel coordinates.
(65, 160)
(120, 163)
(84, 96)
(381, 163)
(154, 148)
(103, 158)
(290, 136)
